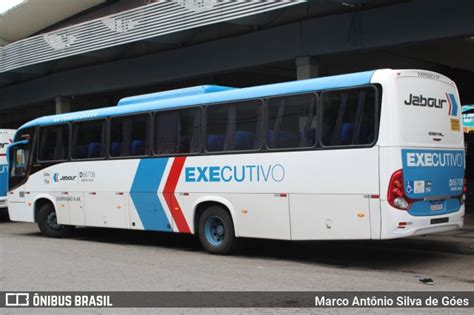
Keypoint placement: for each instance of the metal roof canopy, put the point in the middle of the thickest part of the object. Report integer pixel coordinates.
(193, 36)
(32, 16)
(113, 69)
(155, 19)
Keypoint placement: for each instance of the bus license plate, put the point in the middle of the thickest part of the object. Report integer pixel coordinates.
(436, 206)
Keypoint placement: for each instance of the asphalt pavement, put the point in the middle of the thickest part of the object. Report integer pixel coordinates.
(109, 259)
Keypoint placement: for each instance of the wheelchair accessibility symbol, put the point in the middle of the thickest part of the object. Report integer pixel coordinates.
(409, 188)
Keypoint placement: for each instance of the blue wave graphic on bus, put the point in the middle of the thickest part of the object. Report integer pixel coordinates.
(56, 177)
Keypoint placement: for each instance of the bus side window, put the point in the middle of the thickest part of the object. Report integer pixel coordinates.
(88, 139)
(129, 136)
(177, 131)
(349, 117)
(248, 126)
(53, 143)
(234, 127)
(291, 122)
(216, 127)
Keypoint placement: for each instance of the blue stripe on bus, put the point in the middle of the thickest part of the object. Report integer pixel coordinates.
(454, 111)
(144, 194)
(293, 87)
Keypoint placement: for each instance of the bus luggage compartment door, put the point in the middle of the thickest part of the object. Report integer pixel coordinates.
(76, 208)
(105, 209)
(315, 217)
(262, 215)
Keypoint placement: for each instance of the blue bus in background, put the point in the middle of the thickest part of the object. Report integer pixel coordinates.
(468, 127)
(6, 136)
(468, 118)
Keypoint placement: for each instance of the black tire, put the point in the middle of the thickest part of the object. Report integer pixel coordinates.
(4, 216)
(220, 242)
(47, 223)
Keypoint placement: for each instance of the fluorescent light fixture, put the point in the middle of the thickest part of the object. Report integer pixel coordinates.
(7, 5)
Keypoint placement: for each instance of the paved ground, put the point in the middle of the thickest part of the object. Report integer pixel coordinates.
(97, 259)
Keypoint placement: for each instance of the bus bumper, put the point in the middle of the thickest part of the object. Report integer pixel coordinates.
(19, 211)
(397, 223)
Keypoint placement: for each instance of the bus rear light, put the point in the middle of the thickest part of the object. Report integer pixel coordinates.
(401, 203)
(396, 192)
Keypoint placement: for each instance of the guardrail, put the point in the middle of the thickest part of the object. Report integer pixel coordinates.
(151, 20)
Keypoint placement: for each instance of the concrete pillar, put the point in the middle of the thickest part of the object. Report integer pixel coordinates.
(306, 67)
(63, 105)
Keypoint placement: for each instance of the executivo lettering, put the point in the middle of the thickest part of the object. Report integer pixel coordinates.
(234, 173)
(435, 159)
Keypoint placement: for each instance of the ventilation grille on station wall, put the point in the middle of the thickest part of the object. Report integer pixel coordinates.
(151, 20)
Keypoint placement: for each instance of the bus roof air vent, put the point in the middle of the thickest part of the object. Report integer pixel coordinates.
(190, 91)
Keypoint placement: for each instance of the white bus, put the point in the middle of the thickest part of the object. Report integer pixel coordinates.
(369, 155)
(6, 137)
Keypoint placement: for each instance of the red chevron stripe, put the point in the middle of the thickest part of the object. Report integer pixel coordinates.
(170, 198)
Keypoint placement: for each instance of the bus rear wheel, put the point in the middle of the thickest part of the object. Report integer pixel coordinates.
(48, 223)
(216, 231)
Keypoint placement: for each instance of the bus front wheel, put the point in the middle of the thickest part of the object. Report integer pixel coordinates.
(216, 231)
(48, 223)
